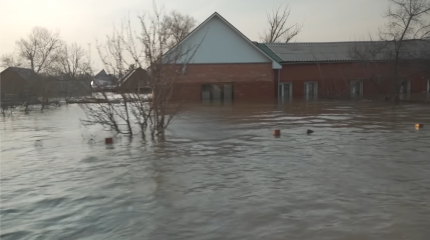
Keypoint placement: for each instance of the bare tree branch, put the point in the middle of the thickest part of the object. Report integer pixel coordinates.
(38, 48)
(278, 30)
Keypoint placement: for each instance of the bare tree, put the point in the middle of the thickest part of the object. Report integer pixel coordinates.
(148, 47)
(401, 48)
(369, 57)
(37, 50)
(407, 19)
(108, 112)
(278, 29)
(73, 67)
(72, 61)
(11, 60)
(178, 26)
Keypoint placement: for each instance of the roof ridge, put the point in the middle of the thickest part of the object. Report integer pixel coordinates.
(298, 43)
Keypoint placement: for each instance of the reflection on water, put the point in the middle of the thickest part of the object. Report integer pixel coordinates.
(363, 174)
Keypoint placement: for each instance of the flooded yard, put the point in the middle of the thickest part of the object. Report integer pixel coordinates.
(220, 174)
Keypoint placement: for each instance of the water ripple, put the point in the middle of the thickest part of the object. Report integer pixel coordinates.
(220, 174)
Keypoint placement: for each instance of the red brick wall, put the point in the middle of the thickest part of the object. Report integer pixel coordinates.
(251, 81)
(334, 78)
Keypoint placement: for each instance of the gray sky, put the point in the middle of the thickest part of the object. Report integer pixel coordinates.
(84, 21)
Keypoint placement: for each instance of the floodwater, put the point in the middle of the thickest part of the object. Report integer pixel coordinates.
(220, 174)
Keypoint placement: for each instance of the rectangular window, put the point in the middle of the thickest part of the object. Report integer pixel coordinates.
(356, 89)
(206, 92)
(311, 90)
(428, 85)
(217, 92)
(228, 92)
(285, 90)
(405, 88)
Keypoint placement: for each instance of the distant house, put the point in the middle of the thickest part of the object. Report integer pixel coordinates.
(17, 83)
(67, 88)
(23, 85)
(136, 80)
(102, 81)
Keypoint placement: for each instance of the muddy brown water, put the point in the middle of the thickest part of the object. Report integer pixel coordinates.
(220, 174)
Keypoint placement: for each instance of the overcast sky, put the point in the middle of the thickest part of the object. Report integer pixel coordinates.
(84, 21)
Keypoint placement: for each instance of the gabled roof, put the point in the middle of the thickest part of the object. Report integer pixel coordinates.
(346, 51)
(26, 73)
(129, 74)
(102, 73)
(233, 28)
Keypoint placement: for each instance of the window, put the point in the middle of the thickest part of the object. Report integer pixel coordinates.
(217, 92)
(405, 87)
(356, 89)
(428, 85)
(206, 92)
(285, 90)
(311, 90)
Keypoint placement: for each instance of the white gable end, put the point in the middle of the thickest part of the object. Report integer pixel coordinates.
(218, 42)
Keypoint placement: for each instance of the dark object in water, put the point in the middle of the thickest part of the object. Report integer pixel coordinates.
(108, 141)
(38, 143)
(309, 131)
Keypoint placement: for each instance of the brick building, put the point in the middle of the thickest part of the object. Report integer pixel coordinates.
(227, 65)
(24, 85)
(334, 70)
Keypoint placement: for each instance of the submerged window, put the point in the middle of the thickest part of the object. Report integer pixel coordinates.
(428, 85)
(217, 91)
(285, 90)
(356, 89)
(311, 89)
(405, 87)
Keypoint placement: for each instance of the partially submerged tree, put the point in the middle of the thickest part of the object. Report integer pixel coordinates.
(278, 29)
(407, 20)
(148, 47)
(401, 47)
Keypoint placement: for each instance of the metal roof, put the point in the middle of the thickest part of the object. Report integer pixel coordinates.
(268, 51)
(347, 51)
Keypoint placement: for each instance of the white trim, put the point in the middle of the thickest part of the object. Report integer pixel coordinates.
(126, 77)
(275, 65)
